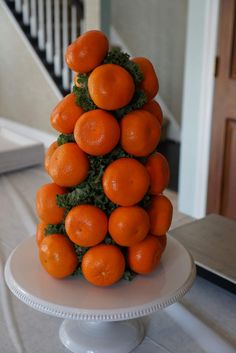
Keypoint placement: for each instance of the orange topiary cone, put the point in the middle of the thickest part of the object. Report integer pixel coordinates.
(86, 225)
(46, 207)
(154, 108)
(68, 165)
(57, 256)
(111, 87)
(140, 133)
(103, 265)
(159, 171)
(65, 114)
(87, 51)
(97, 132)
(150, 83)
(128, 225)
(160, 212)
(143, 257)
(104, 214)
(125, 181)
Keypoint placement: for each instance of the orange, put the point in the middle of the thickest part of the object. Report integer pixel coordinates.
(65, 114)
(40, 232)
(68, 165)
(160, 212)
(163, 241)
(97, 132)
(110, 86)
(57, 255)
(128, 225)
(159, 171)
(86, 225)
(103, 265)
(144, 257)
(51, 149)
(46, 206)
(154, 108)
(87, 51)
(125, 181)
(150, 83)
(140, 133)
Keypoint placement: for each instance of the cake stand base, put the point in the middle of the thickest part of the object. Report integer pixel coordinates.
(101, 337)
(95, 316)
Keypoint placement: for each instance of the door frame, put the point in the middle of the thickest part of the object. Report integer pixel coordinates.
(199, 81)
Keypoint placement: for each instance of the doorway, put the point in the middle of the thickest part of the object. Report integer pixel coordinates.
(222, 166)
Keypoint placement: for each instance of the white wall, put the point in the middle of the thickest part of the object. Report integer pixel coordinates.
(197, 106)
(27, 93)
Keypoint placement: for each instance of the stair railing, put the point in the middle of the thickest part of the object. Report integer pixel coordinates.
(53, 24)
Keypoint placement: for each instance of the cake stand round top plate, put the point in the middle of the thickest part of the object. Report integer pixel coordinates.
(75, 298)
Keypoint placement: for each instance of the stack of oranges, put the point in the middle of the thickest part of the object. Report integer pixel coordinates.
(127, 231)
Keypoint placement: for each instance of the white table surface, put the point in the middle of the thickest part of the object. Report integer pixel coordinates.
(204, 321)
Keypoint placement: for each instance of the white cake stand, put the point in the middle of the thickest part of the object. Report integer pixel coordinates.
(99, 320)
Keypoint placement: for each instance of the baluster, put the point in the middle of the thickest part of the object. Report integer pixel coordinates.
(65, 41)
(73, 33)
(49, 33)
(57, 38)
(41, 28)
(80, 20)
(25, 12)
(92, 14)
(73, 22)
(18, 5)
(33, 19)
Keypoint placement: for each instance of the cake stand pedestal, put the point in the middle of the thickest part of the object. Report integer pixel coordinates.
(99, 320)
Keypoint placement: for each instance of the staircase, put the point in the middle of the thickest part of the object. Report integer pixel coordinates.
(50, 26)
